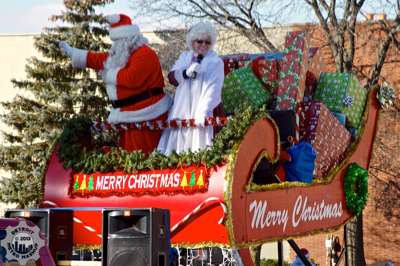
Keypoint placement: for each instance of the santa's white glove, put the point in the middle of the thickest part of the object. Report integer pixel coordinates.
(66, 48)
(193, 69)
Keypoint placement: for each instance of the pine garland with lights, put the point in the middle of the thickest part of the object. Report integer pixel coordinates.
(89, 159)
(52, 93)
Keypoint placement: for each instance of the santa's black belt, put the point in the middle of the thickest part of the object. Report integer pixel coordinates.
(137, 98)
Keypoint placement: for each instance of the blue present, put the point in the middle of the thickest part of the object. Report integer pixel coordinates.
(340, 117)
(267, 56)
(354, 132)
(301, 166)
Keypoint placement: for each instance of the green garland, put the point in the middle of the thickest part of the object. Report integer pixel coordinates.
(88, 156)
(356, 188)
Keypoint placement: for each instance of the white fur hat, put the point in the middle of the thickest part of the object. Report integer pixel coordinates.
(199, 29)
(121, 26)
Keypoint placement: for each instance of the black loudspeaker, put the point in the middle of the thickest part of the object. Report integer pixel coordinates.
(136, 237)
(55, 224)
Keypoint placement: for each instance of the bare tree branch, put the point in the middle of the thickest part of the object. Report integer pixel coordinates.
(350, 26)
(244, 17)
(327, 31)
(377, 68)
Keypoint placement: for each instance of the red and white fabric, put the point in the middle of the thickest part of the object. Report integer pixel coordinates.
(141, 73)
(194, 99)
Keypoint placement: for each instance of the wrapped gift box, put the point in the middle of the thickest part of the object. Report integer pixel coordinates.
(242, 87)
(266, 70)
(340, 117)
(292, 72)
(311, 86)
(286, 122)
(316, 66)
(233, 62)
(267, 56)
(316, 62)
(341, 92)
(329, 138)
(301, 165)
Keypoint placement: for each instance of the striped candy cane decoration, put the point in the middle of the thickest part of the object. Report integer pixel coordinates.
(297, 127)
(177, 227)
(75, 219)
(206, 203)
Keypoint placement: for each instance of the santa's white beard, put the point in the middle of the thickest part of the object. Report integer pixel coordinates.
(118, 55)
(120, 52)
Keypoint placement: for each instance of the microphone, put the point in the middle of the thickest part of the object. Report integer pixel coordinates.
(198, 60)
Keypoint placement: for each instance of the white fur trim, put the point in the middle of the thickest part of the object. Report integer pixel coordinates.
(114, 18)
(110, 79)
(111, 76)
(145, 114)
(111, 91)
(79, 58)
(124, 32)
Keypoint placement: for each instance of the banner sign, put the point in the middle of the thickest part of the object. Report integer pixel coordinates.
(154, 182)
(303, 211)
(298, 214)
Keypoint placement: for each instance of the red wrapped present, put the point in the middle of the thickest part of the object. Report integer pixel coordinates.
(292, 72)
(293, 40)
(316, 66)
(311, 86)
(316, 63)
(233, 62)
(266, 70)
(329, 138)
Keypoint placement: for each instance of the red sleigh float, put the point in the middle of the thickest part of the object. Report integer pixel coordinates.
(217, 206)
(231, 213)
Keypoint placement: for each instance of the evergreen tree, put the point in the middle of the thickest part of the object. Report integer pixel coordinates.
(52, 93)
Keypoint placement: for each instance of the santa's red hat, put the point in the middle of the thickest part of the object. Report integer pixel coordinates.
(121, 27)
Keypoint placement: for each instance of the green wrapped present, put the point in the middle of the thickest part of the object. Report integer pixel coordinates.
(243, 88)
(341, 92)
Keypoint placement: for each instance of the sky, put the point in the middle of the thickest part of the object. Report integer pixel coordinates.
(30, 16)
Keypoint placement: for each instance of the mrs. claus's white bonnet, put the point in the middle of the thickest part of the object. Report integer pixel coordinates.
(198, 30)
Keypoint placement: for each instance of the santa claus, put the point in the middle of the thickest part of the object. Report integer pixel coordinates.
(132, 73)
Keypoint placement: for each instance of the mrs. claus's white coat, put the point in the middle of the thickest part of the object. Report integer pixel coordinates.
(194, 98)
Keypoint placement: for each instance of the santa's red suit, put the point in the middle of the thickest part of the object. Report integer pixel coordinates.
(135, 90)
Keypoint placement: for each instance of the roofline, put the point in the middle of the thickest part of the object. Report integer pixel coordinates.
(18, 34)
(290, 25)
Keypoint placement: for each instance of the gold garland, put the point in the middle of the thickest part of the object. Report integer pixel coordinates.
(89, 247)
(228, 195)
(202, 244)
